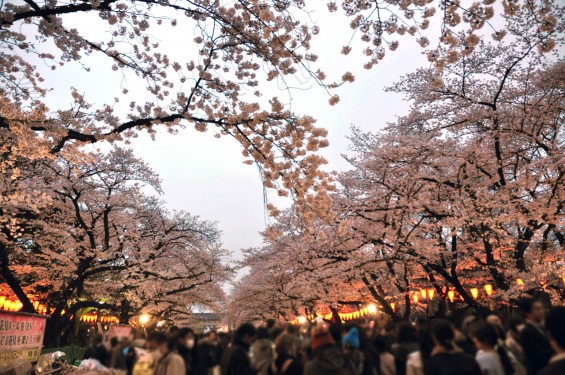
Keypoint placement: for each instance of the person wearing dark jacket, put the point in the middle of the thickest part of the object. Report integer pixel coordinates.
(328, 359)
(533, 337)
(188, 349)
(446, 359)
(235, 360)
(286, 363)
(97, 350)
(555, 324)
(406, 343)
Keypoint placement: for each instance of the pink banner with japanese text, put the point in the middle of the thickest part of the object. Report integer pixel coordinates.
(21, 335)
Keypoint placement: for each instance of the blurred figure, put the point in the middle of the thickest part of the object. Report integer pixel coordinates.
(97, 350)
(327, 358)
(187, 349)
(351, 345)
(496, 323)
(211, 353)
(406, 343)
(417, 360)
(170, 363)
(493, 359)
(117, 356)
(555, 324)
(262, 354)
(512, 342)
(235, 360)
(533, 337)
(446, 359)
(286, 362)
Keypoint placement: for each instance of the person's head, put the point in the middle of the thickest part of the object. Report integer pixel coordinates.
(406, 333)
(443, 334)
(185, 337)
(97, 339)
(114, 342)
(555, 324)
(212, 336)
(533, 310)
(263, 334)
(494, 320)
(155, 341)
(514, 322)
(173, 329)
(336, 330)
(321, 337)
(286, 344)
(351, 339)
(483, 335)
(246, 333)
(270, 323)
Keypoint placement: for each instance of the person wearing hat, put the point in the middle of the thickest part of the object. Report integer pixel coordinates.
(351, 345)
(328, 358)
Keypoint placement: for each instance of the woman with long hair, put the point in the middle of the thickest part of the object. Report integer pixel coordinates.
(446, 358)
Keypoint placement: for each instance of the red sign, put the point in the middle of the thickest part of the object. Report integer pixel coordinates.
(119, 331)
(21, 335)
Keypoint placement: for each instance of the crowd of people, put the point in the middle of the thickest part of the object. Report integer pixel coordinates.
(530, 343)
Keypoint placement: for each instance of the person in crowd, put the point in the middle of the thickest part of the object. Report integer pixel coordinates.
(555, 324)
(515, 324)
(262, 354)
(493, 359)
(446, 359)
(462, 340)
(97, 350)
(211, 353)
(286, 362)
(385, 365)
(537, 350)
(188, 350)
(327, 359)
(351, 347)
(170, 363)
(495, 321)
(235, 360)
(117, 356)
(406, 343)
(417, 360)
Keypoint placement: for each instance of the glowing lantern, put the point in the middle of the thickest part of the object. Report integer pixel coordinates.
(7, 304)
(520, 283)
(2, 300)
(451, 295)
(431, 293)
(488, 289)
(372, 309)
(393, 306)
(475, 293)
(416, 298)
(423, 293)
(35, 305)
(563, 278)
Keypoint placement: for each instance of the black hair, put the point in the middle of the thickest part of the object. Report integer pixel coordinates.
(183, 332)
(270, 323)
(246, 329)
(173, 329)
(336, 330)
(263, 333)
(555, 324)
(526, 304)
(442, 332)
(157, 337)
(514, 321)
(406, 333)
(486, 334)
(114, 342)
(425, 341)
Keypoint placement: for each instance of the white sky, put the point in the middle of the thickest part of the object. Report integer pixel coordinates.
(205, 175)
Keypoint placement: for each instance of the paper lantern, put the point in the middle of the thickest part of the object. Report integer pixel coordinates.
(416, 298)
(423, 293)
(431, 293)
(2, 300)
(451, 295)
(475, 293)
(488, 289)
(393, 306)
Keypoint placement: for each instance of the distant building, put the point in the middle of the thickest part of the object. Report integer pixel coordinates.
(205, 322)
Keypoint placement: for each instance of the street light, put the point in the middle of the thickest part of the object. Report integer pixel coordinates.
(372, 309)
(144, 319)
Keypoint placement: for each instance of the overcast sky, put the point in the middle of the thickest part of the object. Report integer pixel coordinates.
(205, 175)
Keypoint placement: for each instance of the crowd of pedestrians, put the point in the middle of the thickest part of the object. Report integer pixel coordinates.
(532, 343)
